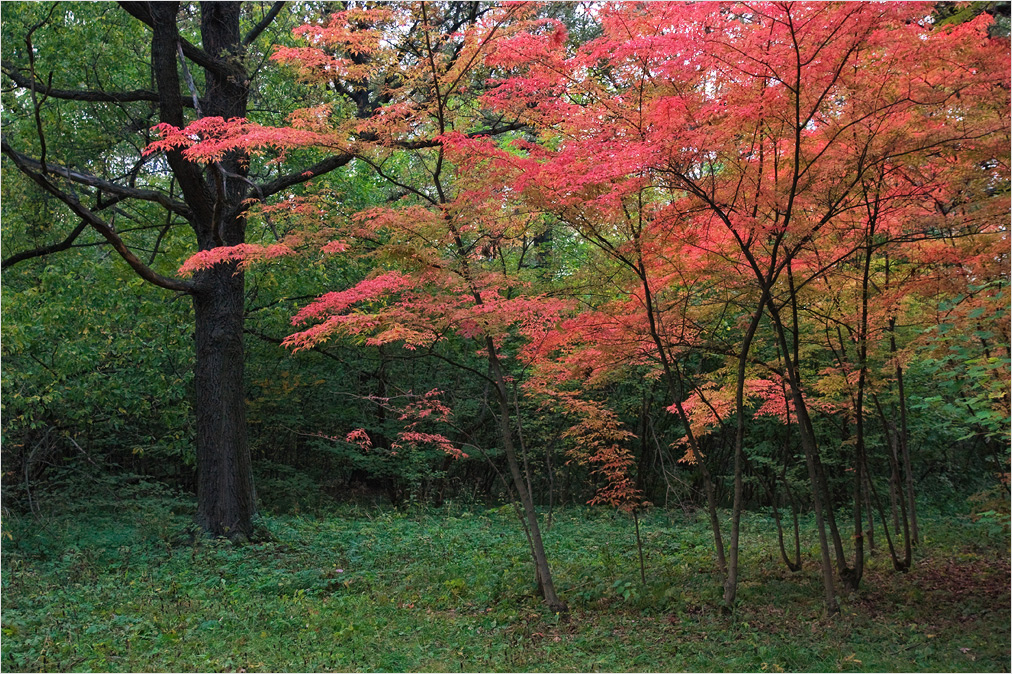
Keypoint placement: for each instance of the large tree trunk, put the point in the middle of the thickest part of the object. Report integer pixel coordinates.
(225, 496)
(208, 76)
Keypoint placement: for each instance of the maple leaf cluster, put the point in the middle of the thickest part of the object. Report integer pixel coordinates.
(827, 167)
(210, 139)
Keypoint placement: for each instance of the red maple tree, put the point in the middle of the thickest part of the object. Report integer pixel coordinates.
(743, 165)
(789, 140)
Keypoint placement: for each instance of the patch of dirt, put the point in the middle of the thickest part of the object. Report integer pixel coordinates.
(958, 590)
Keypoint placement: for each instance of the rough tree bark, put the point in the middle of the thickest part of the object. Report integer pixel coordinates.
(225, 495)
(212, 202)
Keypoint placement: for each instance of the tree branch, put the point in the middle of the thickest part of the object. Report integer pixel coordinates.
(102, 228)
(264, 22)
(274, 340)
(425, 143)
(94, 181)
(86, 95)
(42, 251)
(67, 243)
(338, 160)
(297, 177)
(141, 12)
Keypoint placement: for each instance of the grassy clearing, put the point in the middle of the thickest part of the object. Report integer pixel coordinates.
(111, 584)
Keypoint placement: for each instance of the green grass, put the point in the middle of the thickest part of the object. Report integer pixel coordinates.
(110, 584)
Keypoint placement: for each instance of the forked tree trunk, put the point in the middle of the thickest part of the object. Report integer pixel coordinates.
(225, 496)
(811, 451)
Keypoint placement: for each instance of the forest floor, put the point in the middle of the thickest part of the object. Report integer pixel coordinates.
(109, 583)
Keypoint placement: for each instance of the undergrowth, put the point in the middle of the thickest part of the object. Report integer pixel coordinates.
(118, 581)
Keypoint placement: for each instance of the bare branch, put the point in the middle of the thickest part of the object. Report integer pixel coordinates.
(102, 228)
(264, 22)
(86, 95)
(42, 251)
(96, 182)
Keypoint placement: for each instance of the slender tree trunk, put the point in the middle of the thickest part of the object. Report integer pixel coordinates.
(711, 509)
(870, 532)
(673, 378)
(894, 498)
(797, 525)
(810, 448)
(644, 458)
(794, 566)
(834, 530)
(639, 547)
(853, 577)
(901, 499)
(896, 489)
(731, 583)
(793, 368)
(904, 436)
(898, 564)
(542, 571)
(521, 482)
(820, 486)
(550, 470)
(780, 528)
(811, 459)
